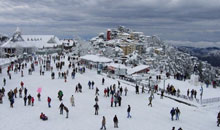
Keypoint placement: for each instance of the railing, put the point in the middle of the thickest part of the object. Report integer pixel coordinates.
(210, 100)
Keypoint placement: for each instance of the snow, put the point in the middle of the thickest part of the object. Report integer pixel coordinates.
(96, 58)
(81, 117)
(118, 66)
(38, 41)
(136, 69)
(5, 61)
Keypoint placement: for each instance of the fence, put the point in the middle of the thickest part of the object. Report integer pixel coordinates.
(210, 100)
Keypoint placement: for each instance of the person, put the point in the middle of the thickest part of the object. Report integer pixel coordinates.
(29, 99)
(89, 84)
(172, 112)
(22, 84)
(20, 92)
(177, 111)
(4, 81)
(129, 110)
(96, 99)
(1, 97)
(25, 91)
(103, 123)
(96, 91)
(43, 116)
(60, 95)
(103, 81)
(61, 108)
(15, 92)
(93, 83)
(38, 96)
(96, 106)
(162, 94)
(119, 101)
(32, 101)
(67, 111)
(112, 100)
(72, 100)
(115, 120)
(25, 100)
(11, 102)
(180, 128)
(218, 119)
(173, 128)
(49, 100)
(126, 91)
(137, 89)
(150, 101)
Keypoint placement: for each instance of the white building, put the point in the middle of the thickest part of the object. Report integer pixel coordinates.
(19, 43)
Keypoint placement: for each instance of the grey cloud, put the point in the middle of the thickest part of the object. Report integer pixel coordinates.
(191, 20)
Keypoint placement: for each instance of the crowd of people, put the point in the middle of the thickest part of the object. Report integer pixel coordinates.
(113, 92)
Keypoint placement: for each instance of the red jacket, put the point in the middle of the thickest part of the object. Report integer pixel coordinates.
(32, 99)
(49, 99)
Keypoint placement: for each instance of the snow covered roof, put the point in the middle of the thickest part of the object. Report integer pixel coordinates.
(137, 69)
(116, 65)
(96, 58)
(38, 41)
(68, 42)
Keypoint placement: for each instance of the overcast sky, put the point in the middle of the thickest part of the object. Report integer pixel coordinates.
(182, 20)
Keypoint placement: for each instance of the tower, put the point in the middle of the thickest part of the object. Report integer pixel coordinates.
(108, 34)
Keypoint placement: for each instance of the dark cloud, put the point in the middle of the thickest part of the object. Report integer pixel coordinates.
(195, 20)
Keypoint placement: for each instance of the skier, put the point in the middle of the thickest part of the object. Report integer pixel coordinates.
(61, 108)
(177, 112)
(150, 101)
(96, 106)
(115, 120)
(103, 123)
(72, 100)
(172, 112)
(49, 100)
(218, 119)
(67, 111)
(129, 110)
